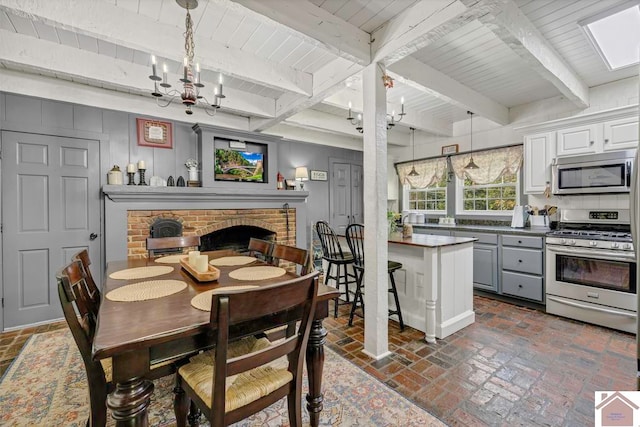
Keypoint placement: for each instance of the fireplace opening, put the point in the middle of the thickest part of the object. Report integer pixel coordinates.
(235, 238)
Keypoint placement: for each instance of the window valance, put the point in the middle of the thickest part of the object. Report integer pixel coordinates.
(492, 164)
(429, 171)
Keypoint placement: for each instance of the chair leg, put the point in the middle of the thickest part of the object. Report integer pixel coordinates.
(294, 404)
(355, 297)
(180, 403)
(394, 291)
(194, 415)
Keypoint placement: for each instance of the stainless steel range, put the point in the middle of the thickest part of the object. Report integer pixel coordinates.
(591, 268)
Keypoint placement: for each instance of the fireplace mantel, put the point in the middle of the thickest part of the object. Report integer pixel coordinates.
(129, 193)
(121, 199)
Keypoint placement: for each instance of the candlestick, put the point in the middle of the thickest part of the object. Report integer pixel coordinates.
(202, 263)
(141, 182)
(131, 176)
(141, 164)
(192, 257)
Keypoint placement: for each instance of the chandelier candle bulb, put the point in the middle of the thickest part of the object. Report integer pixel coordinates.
(202, 263)
(185, 67)
(164, 74)
(153, 64)
(192, 257)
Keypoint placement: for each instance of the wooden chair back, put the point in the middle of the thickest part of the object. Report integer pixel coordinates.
(297, 296)
(294, 255)
(163, 243)
(262, 249)
(355, 240)
(92, 288)
(77, 307)
(331, 249)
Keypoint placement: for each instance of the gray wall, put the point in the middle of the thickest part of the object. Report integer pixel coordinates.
(119, 130)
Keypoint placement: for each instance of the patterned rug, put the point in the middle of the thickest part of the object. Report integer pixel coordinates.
(46, 386)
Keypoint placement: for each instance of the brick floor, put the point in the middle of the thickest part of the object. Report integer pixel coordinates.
(514, 366)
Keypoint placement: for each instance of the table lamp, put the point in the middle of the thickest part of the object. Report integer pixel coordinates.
(301, 175)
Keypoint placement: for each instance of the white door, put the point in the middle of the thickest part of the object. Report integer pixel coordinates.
(347, 197)
(50, 210)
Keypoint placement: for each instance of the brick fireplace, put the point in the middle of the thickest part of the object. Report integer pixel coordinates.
(205, 221)
(130, 210)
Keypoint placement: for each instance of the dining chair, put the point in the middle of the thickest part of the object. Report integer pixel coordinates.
(77, 308)
(240, 378)
(92, 289)
(355, 240)
(292, 254)
(261, 249)
(163, 244)
(334, 255)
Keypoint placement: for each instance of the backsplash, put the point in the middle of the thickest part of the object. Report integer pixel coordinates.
(600, 201)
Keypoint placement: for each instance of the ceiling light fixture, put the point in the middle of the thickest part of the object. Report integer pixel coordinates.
(471, 164)
(391, 118)
(191, 83)
(413, 156)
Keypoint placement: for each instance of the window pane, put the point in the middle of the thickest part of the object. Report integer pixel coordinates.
(421, 205)
(480, 205)
(412, 195)
(421, 195)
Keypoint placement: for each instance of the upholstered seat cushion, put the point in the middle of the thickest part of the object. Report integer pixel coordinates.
(243, 388)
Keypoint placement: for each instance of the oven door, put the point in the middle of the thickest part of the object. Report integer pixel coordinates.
(595, 275)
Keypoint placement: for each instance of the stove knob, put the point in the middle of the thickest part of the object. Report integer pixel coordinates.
(564, 241)
(593, 243)
(572, 242)
(626, 246)
(615, 245)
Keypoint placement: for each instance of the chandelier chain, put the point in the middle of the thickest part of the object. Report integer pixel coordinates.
(189, 45)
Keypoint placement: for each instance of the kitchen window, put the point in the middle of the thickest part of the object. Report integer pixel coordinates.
(498, 197)
(432, 199)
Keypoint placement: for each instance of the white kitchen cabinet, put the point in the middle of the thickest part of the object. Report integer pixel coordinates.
(621, 134)
(539, 151)
(578, 140)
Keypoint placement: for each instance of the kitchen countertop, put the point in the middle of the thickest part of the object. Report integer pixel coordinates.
(500, 229)
(429, 241)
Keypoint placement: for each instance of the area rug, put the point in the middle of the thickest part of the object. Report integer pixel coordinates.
(46, 386)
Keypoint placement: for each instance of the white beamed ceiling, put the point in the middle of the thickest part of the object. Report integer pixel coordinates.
(295, 64)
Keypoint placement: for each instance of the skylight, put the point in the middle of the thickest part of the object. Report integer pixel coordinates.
(616, 37)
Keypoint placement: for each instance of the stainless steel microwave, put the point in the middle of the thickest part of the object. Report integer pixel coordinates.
(594, 173)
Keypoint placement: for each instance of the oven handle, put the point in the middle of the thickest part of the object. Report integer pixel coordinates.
(590, 253)
(589, 307)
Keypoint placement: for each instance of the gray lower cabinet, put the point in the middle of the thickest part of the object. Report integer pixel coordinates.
(485, 260)
(522, 267)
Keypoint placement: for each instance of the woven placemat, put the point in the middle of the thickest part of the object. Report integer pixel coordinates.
(150, 289)
(170, 259)
(262, 272)
(141, 272)
(203, 301)
(227, 261)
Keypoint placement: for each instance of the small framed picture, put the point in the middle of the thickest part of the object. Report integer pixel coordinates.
(449, 149)
(154, 133)
(318, 175)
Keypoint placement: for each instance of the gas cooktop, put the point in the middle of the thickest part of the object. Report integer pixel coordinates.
(614, 236)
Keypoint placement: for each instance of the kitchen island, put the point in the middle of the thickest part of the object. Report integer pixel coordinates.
(436, 289)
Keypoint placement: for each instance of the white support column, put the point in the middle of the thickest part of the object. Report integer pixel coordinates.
(376, 333)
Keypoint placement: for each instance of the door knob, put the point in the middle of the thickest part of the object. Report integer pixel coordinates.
(93, 236)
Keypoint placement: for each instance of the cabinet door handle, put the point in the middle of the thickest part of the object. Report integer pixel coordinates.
(519, 260)
(590, 142)
(606, 140)
(520, 241)
(520, 286)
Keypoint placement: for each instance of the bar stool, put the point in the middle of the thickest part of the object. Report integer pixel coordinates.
(355, 240)
(333, 254)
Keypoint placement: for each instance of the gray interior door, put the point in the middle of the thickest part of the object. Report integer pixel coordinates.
(50, 210)
(346, 196)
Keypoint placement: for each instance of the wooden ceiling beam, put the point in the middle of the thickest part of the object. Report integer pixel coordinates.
(507, 22)
(24, 52)
(317, 26)
(117, 25)
(427, 79)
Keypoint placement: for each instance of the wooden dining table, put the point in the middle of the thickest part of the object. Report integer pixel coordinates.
(136, 334)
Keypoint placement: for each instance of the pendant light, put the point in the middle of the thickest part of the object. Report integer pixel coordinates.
(471, 164)
(413, 157)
